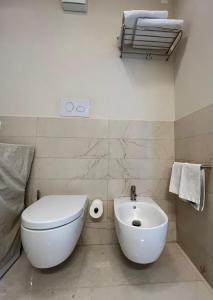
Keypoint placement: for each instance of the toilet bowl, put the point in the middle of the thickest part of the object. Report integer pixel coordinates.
(141, 228)
(51, 227)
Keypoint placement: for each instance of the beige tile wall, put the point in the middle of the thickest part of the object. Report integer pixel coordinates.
(194, 142)
(99, 158)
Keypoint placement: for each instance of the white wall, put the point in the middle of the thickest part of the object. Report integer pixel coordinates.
(46, 54)
(194, 62)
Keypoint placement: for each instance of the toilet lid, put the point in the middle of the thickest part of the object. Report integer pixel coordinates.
(53, 211)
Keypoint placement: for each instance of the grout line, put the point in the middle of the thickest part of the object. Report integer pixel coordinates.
(72, 137)
(107, 138)
(37, 121)
(142, 284)
(117, 179)
(105, 157)
(108, 168)
(50, 117)
(139, 284)
(194, 136)
(101, 157)
(89, 178)
(17, 136)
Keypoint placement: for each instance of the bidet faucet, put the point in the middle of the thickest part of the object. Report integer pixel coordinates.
(133, 193)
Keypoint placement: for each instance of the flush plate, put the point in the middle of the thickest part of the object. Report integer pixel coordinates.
(72, 107)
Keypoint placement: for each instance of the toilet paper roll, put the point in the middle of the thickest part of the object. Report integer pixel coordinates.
(96, 209)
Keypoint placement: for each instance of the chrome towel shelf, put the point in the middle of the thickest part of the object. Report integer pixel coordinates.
(149, 41)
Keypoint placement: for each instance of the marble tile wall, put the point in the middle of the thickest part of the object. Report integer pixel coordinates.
(194, 142)
(99, 158)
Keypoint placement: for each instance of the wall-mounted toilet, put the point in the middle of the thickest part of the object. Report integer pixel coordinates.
(51, 228)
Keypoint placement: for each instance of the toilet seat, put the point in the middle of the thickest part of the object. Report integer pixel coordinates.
(53, 211)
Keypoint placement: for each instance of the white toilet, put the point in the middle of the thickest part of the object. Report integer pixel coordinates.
(51, 228)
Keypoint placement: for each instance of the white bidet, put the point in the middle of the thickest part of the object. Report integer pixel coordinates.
(141, 228)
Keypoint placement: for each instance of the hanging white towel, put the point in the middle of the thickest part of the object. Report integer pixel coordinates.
(190, 183)
(200, 206)
(174, 186)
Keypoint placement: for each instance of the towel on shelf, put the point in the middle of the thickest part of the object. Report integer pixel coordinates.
(162, 39)
(174, 24)
(174, 186)
(192, 184)
(130, 18)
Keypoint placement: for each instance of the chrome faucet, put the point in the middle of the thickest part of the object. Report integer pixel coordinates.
(133, 193)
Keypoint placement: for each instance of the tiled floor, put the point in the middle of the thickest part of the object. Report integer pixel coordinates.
(102, 272)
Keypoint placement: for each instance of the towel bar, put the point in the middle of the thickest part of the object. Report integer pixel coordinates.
(206, 167)
(202, 166)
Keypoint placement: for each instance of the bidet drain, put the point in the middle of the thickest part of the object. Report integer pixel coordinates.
(136, 223)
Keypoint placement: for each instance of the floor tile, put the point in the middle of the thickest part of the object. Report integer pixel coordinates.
(102, 272)
(64, 276)
(188, 291)
(19, 278)
(54, 294)
(106, 266)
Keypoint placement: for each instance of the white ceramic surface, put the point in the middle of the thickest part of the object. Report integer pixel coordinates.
(53, 211)
(49, 247)
(143, 244)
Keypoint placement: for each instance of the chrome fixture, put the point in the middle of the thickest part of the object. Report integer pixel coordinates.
(133, 193)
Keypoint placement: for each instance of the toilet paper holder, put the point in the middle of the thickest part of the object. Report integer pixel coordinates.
(96, 209)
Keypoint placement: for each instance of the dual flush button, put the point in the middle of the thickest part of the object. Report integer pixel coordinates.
(75, 108)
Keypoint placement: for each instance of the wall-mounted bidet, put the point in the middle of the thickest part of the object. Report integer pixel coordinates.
(141, 228)
(51, 228)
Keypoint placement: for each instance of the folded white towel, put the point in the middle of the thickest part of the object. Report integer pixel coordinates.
(130, 19)
(174, 186)
(131, 16)
(163, 40)
(174, 24)
(191, 184)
